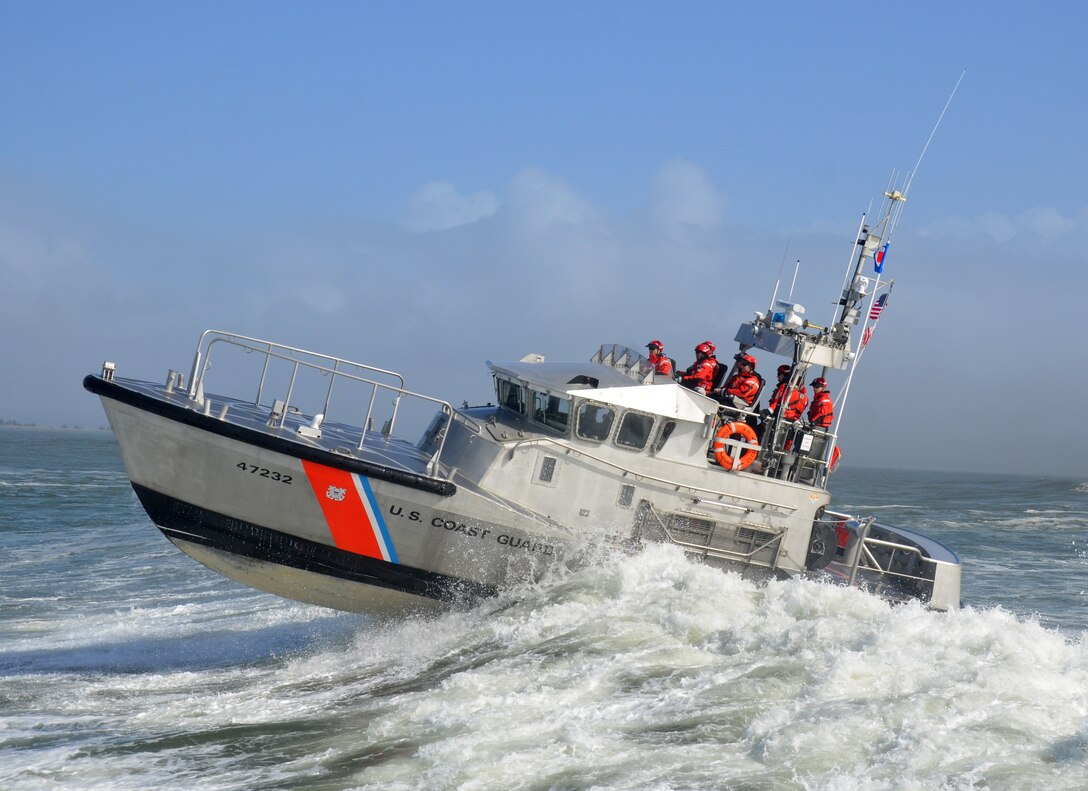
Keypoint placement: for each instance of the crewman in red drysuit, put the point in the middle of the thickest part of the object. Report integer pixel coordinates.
(797, 400)
(822, 411)
(662, 364)
(743, 386)
(700, 375)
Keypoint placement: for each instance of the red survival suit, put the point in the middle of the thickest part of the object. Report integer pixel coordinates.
(701, 373)
(662, 364)
(822, 411)
(795, 404)
(743, 386)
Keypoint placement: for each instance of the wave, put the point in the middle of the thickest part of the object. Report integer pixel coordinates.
(885, 507)
(61, 485)
(1029, 524)
(644, 672)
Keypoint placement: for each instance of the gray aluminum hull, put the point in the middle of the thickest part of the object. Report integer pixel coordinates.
(368, 523)
(273, 520)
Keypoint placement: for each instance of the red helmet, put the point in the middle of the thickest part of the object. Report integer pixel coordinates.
(783, 369)
(819, 381)
(654, 343)
(706, 347)
(745, 358)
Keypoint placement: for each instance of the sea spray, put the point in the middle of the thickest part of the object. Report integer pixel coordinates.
(124, 665)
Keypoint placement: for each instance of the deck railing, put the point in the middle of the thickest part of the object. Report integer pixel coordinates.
(336, 368)
(862, 554)
(786, 450)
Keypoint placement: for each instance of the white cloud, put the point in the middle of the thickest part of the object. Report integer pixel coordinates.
(1044, 222)
(552, 273)
(685, 199)
(1048, 223)
(539, 201)
(438, 205)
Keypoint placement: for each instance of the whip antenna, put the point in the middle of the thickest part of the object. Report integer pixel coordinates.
(778, 282)
(870, 244)
(918, 164)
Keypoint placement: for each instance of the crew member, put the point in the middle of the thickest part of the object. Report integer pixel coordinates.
(662, 364)
(795, 403)
(700, 375)
(822, 411)
(742, 388)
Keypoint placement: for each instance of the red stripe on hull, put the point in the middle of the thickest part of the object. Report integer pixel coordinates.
(344, 512)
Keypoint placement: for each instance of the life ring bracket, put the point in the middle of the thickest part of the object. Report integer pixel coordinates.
(726, 436)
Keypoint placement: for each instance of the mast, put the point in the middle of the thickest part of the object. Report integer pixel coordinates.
(870, 243)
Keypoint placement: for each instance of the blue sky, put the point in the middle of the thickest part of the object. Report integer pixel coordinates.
(429, 185)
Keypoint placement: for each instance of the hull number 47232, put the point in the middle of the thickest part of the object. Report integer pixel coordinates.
(264, 472)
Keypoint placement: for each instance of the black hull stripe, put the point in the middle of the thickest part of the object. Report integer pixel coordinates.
(180, 414)
(188, 522)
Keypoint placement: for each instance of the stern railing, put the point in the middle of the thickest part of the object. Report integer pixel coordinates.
(861, 555)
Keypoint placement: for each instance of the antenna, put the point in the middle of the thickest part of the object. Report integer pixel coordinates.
(918, 164)
(781, 266)
(894, 201)
(796, 269)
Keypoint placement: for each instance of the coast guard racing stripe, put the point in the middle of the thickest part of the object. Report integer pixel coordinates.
(351, 511)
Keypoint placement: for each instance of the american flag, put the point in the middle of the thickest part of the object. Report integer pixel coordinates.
(878, 307)
(866, 336)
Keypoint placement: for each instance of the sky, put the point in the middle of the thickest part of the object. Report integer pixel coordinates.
(427, 186)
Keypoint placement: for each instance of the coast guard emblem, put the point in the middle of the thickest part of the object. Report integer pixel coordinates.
(336, 493)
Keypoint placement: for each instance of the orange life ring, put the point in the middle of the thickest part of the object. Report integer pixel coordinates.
(728, 431)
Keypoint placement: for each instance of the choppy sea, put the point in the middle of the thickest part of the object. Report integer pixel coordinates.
(126, 665)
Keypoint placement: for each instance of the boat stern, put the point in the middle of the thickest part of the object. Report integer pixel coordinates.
(893, 562)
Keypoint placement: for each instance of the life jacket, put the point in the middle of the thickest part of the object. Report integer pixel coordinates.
(661, 364)
(743, 386)
(822, 411)
(700, 374)
(795, 405)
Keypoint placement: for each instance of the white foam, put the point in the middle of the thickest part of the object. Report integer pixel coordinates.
(644, 672)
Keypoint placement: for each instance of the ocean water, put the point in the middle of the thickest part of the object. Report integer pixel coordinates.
(126, 665)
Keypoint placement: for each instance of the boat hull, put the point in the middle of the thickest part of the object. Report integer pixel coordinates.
(366, 522)
(322, 533)
(294, 568)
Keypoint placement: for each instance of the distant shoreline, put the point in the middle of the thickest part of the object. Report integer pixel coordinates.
(52, 428)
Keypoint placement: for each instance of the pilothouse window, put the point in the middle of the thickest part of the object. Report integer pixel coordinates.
(595, 421)
(512, 395)
(634, 430)
(552, 411)
(663, 436)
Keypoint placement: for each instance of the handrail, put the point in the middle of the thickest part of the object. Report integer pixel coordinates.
(864, 551)
(776, 538)
(887, 572)
(642, 475)
(863, 536)
(271, 350)
(232, 337)
(772, 439)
